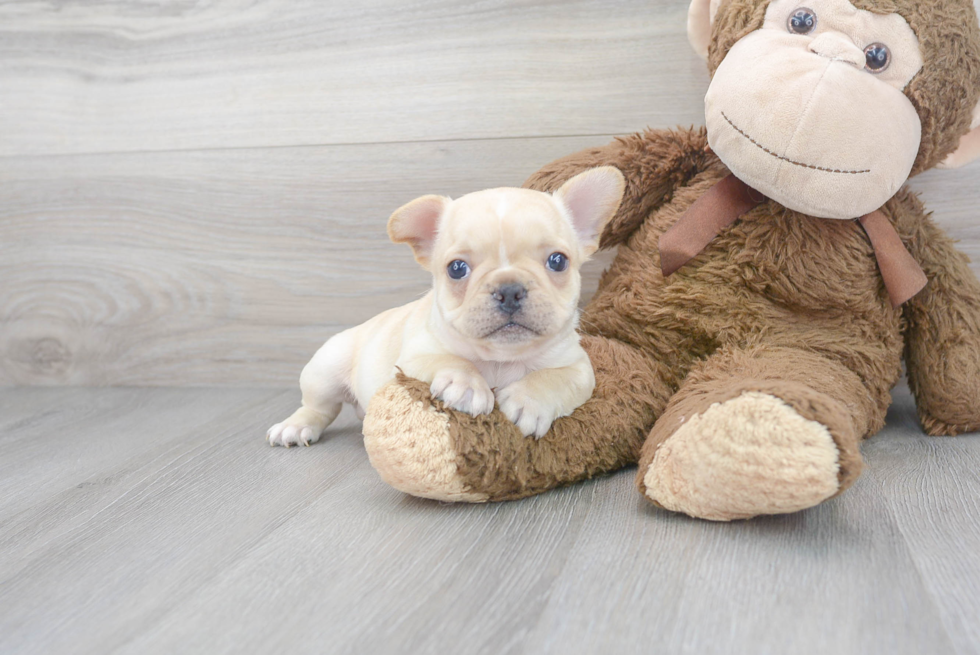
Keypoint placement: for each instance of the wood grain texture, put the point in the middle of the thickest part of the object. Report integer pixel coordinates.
(54, 479)
(112, 75)
(199, 538)
(933, 516)
(217, 267)
(232, 267)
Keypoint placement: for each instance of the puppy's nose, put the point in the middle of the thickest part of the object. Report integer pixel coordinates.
(510, 296)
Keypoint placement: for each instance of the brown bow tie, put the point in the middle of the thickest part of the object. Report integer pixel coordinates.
(731, 198)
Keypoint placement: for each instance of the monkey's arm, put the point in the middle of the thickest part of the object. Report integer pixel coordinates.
(942, 347)
(654, 163)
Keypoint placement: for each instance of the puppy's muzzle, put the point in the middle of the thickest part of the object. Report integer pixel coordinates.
(509, 297)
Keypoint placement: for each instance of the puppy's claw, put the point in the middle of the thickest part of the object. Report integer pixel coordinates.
(532, 416)
(283, 434)
(464, 391)
(439, 385)
(481, 402)
(272, 434)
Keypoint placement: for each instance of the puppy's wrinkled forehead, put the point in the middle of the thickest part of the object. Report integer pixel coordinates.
(508, 221)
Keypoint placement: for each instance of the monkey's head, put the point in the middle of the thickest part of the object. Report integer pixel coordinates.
(829, 106)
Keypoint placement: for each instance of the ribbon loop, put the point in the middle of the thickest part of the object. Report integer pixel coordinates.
(721, 206)
(903, 276)
(731, 198)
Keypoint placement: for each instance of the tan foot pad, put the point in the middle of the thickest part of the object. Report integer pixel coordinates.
(745, 457)
(409, 445)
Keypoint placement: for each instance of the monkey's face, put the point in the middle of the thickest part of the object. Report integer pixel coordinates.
(810, 109)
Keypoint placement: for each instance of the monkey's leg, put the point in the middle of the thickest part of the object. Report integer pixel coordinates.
(943, 333)
(423, 448)
(769, 430)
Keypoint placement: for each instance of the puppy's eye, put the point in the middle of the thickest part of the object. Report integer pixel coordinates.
(877, 57)
(458, 269)
(557, 262)
(803, 21)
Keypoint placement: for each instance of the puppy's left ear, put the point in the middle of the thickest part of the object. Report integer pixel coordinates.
(591, 199)
(417, 224)
(969, 149)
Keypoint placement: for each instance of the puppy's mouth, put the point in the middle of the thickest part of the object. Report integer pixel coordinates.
(510, 330)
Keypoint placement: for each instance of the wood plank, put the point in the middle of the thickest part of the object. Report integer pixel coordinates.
(17, 406)
(439, 579)
(834, 579)
(232, 267)
(150, 526)
(117, 76)
(217, 267)
(932, 490)
(213, 542)
(952, 197)
(44, 451)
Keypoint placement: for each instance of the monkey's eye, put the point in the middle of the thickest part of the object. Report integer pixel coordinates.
(458, 269)
(557, 262)
(877, 57)
(803, 21)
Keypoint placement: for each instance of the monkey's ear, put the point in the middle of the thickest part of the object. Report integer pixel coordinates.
(417, 224)
(700, 17)
(969, 149)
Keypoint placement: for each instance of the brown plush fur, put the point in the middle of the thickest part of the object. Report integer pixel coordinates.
(779, 303)
(494, 458)
(943, 336)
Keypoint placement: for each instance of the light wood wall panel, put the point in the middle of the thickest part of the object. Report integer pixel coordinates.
(217, 267)
(115, 75)
(231, 267)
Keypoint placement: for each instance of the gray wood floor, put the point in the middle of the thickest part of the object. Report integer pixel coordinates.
(159, 521)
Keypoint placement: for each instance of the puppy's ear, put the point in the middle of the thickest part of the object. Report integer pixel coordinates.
(417, 224)
(969, 149)
(592, 198)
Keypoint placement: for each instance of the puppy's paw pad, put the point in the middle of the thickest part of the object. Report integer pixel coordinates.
(463, 391)
(531, 415)
(291, 434)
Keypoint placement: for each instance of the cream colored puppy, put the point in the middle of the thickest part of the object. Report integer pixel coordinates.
(499, 322)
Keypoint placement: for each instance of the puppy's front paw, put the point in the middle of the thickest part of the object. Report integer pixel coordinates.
(531, 414)
(303, 427)
(284, 434)
(464, 391)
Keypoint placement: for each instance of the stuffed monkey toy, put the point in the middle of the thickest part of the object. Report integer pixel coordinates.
(773, 273)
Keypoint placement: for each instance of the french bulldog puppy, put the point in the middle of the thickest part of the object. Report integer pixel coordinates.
(499, 323)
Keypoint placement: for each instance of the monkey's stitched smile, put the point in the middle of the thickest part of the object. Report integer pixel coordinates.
(786, 159)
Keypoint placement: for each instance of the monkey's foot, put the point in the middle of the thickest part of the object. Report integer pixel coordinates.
(744, 457)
